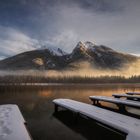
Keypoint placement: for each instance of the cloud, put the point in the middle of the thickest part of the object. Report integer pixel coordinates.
(118, 30)
(13, 42)
(64, 40)
(63, 23)
(2, 57)
(111, 23)
(136, 54)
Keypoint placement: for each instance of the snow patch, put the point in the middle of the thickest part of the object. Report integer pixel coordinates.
(98, 54)
(54, 50)
(89, 44)
(12, 124)
(4, 122)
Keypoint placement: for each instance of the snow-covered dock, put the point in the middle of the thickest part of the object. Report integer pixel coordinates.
(133, 93)
(121, 103)
(12, 124)
(128, 125)
(130, 97)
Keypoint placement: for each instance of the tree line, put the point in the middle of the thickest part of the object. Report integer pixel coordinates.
(12, 79)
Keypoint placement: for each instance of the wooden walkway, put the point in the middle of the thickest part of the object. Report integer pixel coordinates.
(133, 93)
(129, 97)
(121, 103)
(12, 124)
(128, 125)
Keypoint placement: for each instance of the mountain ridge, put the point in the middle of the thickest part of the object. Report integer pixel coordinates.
(98, 56)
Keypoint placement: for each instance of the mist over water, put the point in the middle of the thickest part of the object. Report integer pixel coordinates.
(83, 70)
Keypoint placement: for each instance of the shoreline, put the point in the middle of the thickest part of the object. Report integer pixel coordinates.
(64, 84)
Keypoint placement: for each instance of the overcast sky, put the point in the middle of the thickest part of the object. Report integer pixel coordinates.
(25, 24)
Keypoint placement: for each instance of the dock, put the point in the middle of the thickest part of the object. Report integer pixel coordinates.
(128, 125)
(12, 124)
(127, 96)
(121, 103)
(133, 93)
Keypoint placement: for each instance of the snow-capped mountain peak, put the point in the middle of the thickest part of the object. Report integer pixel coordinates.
(54, 50)
(80, 45)
(89, 44)
(45, 58)
(96, 48)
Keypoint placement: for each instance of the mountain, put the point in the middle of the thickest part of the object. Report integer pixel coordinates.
(98, 56)
(37, 59)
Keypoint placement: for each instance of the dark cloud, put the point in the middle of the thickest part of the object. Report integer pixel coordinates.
(63, 23)
(16, 12)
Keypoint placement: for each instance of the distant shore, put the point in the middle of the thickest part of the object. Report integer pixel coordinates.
(42, 80)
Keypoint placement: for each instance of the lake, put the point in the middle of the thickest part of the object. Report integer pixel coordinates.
(35, 103)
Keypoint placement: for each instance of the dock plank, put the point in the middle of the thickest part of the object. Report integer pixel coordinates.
(12, 124)
(130, 97)
(133, 93)
(119, 102)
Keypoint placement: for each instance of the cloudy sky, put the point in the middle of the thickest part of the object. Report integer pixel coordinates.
(25, 24)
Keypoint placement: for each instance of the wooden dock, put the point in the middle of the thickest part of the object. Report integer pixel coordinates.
(121, 103)
(12, 124)
(133, 93)
(127, 96)
(128, 125)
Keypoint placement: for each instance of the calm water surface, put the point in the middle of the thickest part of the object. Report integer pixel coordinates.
(35, 102)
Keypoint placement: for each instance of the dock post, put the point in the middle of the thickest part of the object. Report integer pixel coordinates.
(97, 102)
(122, 108)
(94, 102)
(76, 115)
(56, 108)
(117, 97)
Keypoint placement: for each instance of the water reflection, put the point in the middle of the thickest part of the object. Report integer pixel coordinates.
(37, 108)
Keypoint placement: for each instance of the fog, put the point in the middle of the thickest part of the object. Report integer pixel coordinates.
(84, 70)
